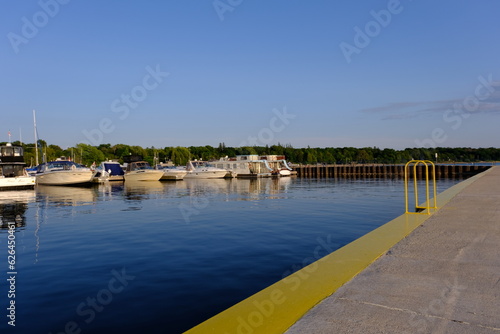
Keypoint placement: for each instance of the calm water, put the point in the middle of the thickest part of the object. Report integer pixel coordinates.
(162, 257)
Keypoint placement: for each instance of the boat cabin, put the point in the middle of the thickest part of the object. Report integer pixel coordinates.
(9, 153)
(138, 165)
(11, 161)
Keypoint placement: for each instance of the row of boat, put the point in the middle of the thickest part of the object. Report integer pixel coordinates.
(14, 175)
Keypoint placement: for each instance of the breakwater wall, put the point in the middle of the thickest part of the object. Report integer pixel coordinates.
(379, 170)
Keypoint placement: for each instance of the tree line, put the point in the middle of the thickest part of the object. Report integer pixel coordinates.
(87, 154)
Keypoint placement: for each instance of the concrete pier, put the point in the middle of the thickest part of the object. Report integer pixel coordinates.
(443, 278)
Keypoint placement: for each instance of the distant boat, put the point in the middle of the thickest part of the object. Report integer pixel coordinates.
(109, 171)
(285, 172)
(278, 164)
(172, 173)
(203, 170)
(13, 174)
(63, 172)
(142, 171)
(246, 166)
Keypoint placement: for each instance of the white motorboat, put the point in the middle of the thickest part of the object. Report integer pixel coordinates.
(203, 170)
(13, 173)
(63, 172)
(142, 171)
(109, 171)
(278, 164)
(285, 172)
(247, 166)
(171, 173)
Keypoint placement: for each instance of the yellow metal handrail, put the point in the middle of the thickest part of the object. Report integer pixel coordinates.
(421, 209)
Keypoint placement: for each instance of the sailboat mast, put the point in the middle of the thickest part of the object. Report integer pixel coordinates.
(36, 138)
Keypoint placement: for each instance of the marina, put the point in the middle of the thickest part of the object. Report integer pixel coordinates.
(246, 167)
(194, 248)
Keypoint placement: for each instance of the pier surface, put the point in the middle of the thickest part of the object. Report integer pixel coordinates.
(443, 278)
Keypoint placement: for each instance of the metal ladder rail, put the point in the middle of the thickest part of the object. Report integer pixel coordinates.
(421, 209)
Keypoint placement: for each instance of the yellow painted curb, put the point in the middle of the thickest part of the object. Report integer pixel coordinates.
(277, 307)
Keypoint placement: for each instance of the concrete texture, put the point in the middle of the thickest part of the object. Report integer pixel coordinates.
(443, 278)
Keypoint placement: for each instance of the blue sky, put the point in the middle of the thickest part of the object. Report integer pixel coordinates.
(321, 73)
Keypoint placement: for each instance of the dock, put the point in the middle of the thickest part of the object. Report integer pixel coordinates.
(382, 170)
(419, 273)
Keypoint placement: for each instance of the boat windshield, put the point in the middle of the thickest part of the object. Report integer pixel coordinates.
(201, 164)
(141, 165)
(12, 170)
(61, 165)
(11, 151)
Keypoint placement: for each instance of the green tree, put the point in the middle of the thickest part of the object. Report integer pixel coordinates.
(89, 154)
(180, 155)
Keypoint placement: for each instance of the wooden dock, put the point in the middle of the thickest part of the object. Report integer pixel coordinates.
(379, 170)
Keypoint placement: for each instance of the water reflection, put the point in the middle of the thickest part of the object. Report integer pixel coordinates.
(13, 213)
(234, 189)
(66, 196)
(135, 190)
(13, 206)
(110, 190)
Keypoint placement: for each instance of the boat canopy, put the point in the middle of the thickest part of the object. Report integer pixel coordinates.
(58, 165)
(113, 168)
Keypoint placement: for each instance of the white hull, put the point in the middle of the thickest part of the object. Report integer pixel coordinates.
(285, 172)
(173, 174)
(244, 166)
(143, 175)
(206, 174)
(64, 177)
(104, 179)
(18, 182)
